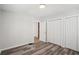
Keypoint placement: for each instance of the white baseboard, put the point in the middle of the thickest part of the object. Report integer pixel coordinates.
(13, 46)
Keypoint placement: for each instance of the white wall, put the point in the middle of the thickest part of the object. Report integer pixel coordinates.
(15, 30)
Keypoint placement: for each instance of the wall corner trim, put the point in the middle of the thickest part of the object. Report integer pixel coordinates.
(0, 51)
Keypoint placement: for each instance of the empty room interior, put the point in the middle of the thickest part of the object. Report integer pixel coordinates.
(39, 29)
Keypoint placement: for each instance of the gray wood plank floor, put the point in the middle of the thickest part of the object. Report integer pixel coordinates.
(44, 49)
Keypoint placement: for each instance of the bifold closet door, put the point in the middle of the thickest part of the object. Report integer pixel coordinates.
(35, 29)
(43, 31)
(71, 33)
(62, 33)
(53, 32)
(78, 31)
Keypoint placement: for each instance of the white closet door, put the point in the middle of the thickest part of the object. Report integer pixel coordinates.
(35, 29)
(43, 31)
(78, 32)
(62, 34)
(71, 33)
(53, 32)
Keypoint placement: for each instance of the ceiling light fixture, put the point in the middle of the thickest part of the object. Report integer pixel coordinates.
(42, 6)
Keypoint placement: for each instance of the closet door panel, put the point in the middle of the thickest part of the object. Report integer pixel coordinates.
(78, 32)
(53, 31)
(50, 32)
(71, 33)
(35, 29)
(43, 31)
(62, 33)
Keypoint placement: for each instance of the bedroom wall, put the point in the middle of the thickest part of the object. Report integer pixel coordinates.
(15, 30)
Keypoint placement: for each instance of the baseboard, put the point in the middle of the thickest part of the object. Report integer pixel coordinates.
(11, 49)
(14, 46)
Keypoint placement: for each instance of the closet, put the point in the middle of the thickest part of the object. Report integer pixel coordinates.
(53, 32)
(43, 31)
(71, 32)
(63, 32)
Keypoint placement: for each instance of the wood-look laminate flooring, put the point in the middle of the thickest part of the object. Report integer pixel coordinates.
(44, 49)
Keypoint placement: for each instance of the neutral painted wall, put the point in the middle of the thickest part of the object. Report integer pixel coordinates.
(15, 30)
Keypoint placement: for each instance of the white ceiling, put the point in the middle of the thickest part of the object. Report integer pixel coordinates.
(51, 10)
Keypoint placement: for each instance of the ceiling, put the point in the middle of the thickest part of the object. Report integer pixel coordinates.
(33, 10)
